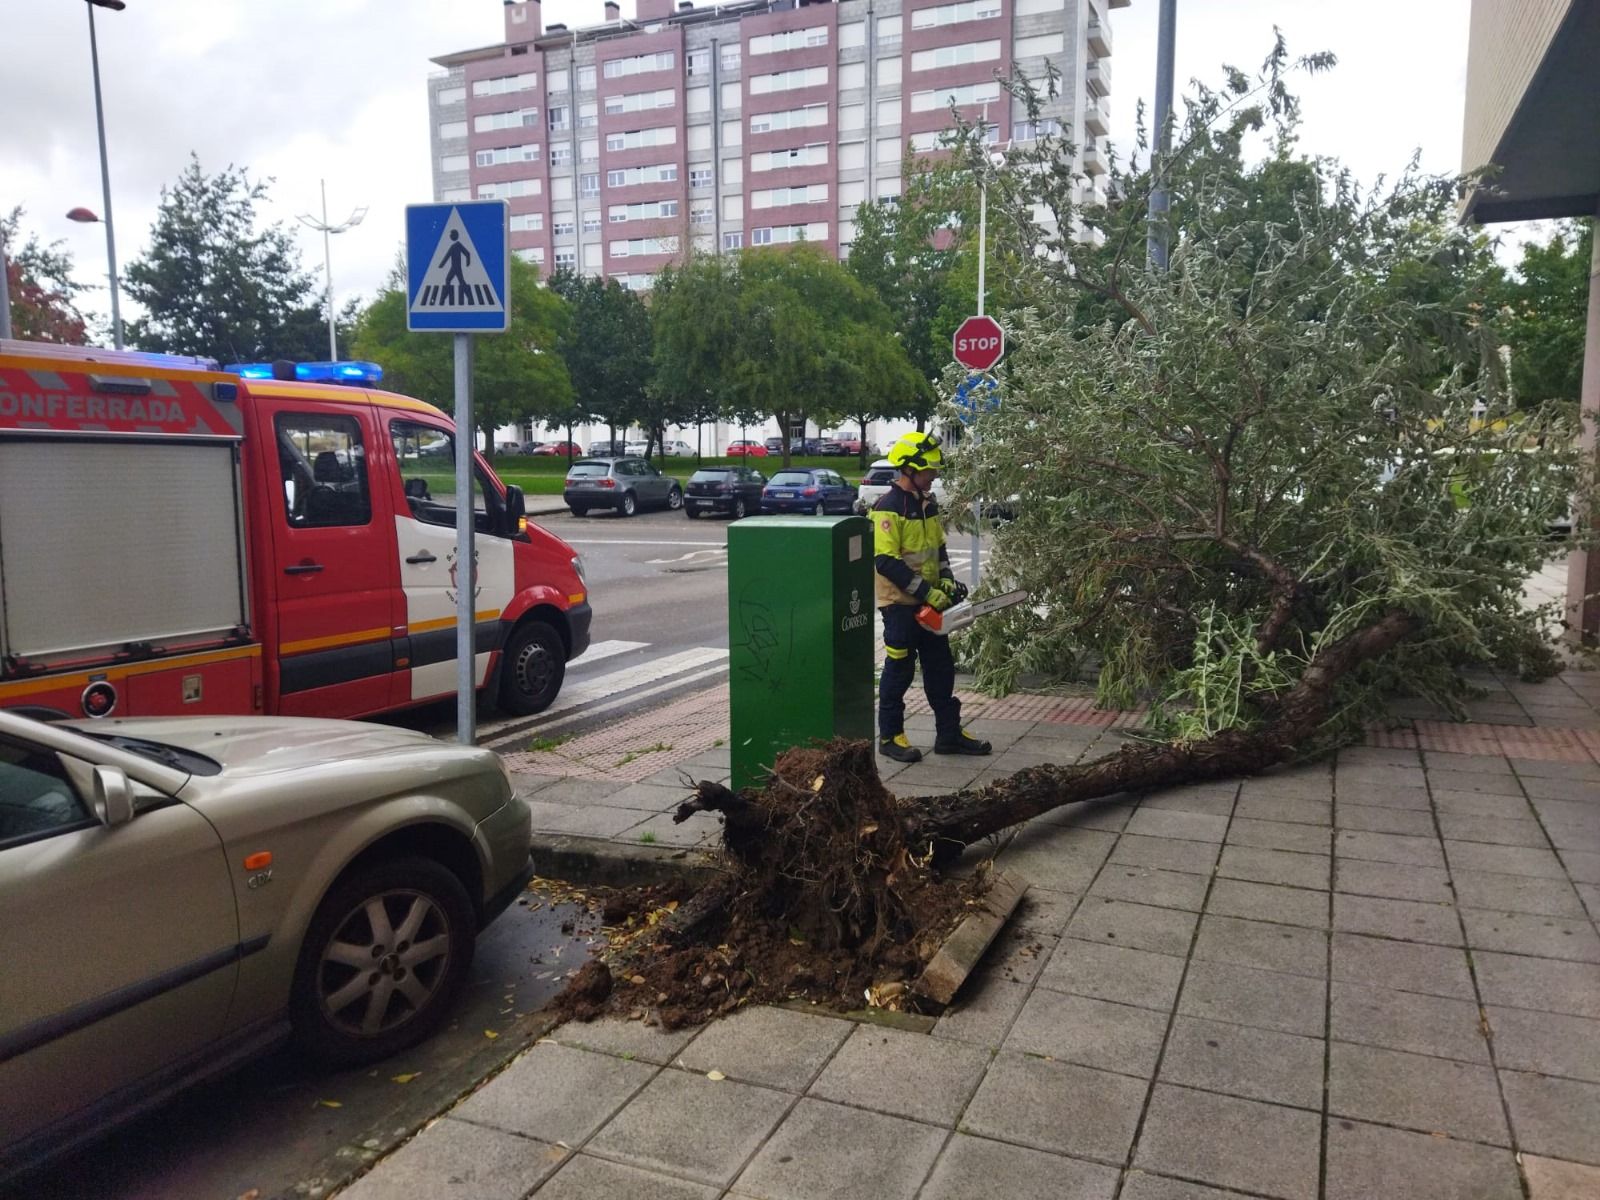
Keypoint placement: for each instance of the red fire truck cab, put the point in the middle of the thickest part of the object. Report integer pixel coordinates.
(180, 539)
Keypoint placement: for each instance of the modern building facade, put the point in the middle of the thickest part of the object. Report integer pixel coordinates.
(620, 146)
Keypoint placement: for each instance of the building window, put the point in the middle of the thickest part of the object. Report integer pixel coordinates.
(589, 150)
(533, 254)
(560, 156)
(501, 84)
(453, 162)
(450, 194)
(697, 62)
(586, 79)
(515, 119)
(732, 240)
(648, 210)
(814, 155)
(451, 95)
(588, 115)
(561, 224)
(452, 129)
(793, 39)
(566, 260)
(955, 14)
(701, 214)
(510, 189)
(589, 185)
(955, 56)
(632, 176)
(700, 177)
(783, 81)
(557, 82)
(641, 101)
(634, 247)
(728, 60)
(640, 64)
(591, 222)
(560, 118)
(814, 193)
(972, 93)
(508, 154)
(527, 222)
(639, 139)
(794, 118)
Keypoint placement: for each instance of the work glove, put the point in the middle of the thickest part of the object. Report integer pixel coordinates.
(937, 600)
(954, 588)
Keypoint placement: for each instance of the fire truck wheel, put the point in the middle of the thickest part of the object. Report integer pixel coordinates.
(383, 960)
(535, 663)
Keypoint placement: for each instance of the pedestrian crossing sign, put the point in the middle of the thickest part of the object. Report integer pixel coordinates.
(458, 267)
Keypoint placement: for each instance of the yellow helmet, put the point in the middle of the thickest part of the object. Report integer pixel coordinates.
(919, 451)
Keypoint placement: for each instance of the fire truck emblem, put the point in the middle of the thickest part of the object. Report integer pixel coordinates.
(455, 584)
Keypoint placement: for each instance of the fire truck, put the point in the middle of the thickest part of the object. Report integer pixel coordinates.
(178, 538)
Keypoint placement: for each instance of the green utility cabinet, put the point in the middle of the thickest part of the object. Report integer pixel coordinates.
(801, 624)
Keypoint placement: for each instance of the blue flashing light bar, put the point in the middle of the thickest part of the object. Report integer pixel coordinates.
(311, 372)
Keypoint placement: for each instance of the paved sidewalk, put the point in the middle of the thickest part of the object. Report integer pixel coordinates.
(1376, 977)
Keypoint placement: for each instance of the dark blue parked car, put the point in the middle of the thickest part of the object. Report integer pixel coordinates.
(808, 490)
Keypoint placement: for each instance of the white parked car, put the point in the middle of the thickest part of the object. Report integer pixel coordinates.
(677, 449)
(880, 478)
(179, 894)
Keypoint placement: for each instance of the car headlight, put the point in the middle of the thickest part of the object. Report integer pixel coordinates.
(577, 565)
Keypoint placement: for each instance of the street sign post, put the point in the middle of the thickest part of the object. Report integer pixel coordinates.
(458, 281)
(979, 343)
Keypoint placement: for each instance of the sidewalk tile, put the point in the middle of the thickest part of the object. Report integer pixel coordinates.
(903, 1074)
(1433, 1095)
(1148, 885)
(1577, 836)
(1231, 1142)
(1313, 782)
(1107, 972)
(1474, 781)
(1546, 1042)
(1136, 926)
(1578, 812)
(1377, 776)
(1195, 827)
(1404, 920)
(1141, 1185)
(1589, 893)
(453, 1158)
(1571, 938)
(1368, 1161)
(1517, 893)
(595, 821)
(1546, 984)
(981, 1016)
(1561, 789)
(1057, 1106)
(1361, 878)
(1351, 756)
(661, 830)
(1552, 1179)
(1246, 996)
(1268, 902)
(625, 1039)
(1064, 860)
(1044, 910)
(1369, 818)
(1475, 764)
(1210, 799)
(1088, 1032)
(1171, 854)
(769, 1046)
(1091, 814)
(1258, 1064)
(1506, 860)
(1268, 947)
(1582, 867)
(1275, 866)
(555, 1093)
(1265, 806)
(1377, 795)
(1378, 1016)
(1406, 966)
(1529, 769)
(1497, 831)
(692, 1126)
(1558, 1118)
(828, 1150)
(1479, 804)
(1279, 835)
(653, 797)
(972, 1167)
(1389, 848)
(588, 1178)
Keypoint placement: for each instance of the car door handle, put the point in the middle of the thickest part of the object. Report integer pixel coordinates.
(424, 557)
(305, 568)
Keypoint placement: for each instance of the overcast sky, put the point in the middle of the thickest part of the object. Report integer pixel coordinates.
(303, 90)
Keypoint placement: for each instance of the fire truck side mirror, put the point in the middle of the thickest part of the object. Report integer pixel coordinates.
(516, 510)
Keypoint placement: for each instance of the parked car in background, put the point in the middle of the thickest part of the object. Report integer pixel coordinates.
(622, 484)
(774, 445)
(880, 478)
(749, 449)
(677, 449)
(608, 449)
(184, 893)
(529, 448)
(732, 490)
(816, 490)
(636, 449)
(508, 448)
(808, 446)
(842, 443)
(561, 449)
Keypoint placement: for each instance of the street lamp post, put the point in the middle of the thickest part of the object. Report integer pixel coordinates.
(350, 222)
(5, 289)
(105, 171)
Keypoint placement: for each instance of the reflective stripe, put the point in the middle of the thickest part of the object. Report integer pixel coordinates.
(894, 652)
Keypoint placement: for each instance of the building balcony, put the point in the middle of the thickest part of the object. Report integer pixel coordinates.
(1093, 162)
(1098, 77)
(1097, 116)
(1100, 38)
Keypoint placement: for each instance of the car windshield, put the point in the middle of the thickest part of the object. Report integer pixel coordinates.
(711, 476)
(791, 478)
(589, 470)
(881, 475)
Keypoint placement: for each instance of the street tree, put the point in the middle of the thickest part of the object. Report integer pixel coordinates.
(517, 376)
(694, 319)
(1546, 303)
(43, 292)
(606, 347)
(215, 282)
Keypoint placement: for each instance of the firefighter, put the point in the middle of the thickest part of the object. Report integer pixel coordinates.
(913, 569)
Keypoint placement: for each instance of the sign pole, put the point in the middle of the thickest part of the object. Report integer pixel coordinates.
(977, 505)
(466, 560)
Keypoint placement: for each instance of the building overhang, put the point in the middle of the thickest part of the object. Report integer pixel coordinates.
(1545, 142)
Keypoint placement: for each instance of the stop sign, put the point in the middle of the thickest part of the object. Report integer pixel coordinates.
(979, 343)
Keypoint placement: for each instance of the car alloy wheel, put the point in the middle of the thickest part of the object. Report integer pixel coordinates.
(739, 509)
(821, 510)
(674, 499)
(630, 504)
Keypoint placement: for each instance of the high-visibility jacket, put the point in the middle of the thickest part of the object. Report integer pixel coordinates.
(908, 546)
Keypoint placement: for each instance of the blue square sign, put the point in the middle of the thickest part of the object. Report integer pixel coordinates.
(458, 267)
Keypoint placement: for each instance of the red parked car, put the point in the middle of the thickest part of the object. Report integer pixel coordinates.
(564, 449)
(747, 449)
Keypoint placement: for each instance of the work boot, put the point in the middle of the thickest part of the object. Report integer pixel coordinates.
(961, 743)
(899, 749)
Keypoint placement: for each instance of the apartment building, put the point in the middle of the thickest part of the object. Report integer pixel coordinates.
(618, 146)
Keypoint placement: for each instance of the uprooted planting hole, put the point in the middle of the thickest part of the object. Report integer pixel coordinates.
(823, 900)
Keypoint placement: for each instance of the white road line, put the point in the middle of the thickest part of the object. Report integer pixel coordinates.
(600, 650)
(542, 725)
(639, 542)
(584, 691)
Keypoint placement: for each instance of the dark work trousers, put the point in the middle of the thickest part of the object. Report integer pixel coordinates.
(905, 642)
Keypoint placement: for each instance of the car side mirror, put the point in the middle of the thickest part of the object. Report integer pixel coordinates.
(516, 509)
(113, 796)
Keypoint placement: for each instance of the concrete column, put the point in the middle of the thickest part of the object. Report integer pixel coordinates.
(1583, 566)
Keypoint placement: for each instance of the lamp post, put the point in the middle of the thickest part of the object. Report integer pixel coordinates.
(105, 171)
(1159, 236)
(350, 222)
(5, 289)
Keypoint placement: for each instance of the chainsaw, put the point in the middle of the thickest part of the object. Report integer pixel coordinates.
(959, 616)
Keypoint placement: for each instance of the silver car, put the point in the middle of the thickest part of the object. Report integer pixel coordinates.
(179, 894)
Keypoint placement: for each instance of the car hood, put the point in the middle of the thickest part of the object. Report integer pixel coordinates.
(264, 745)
